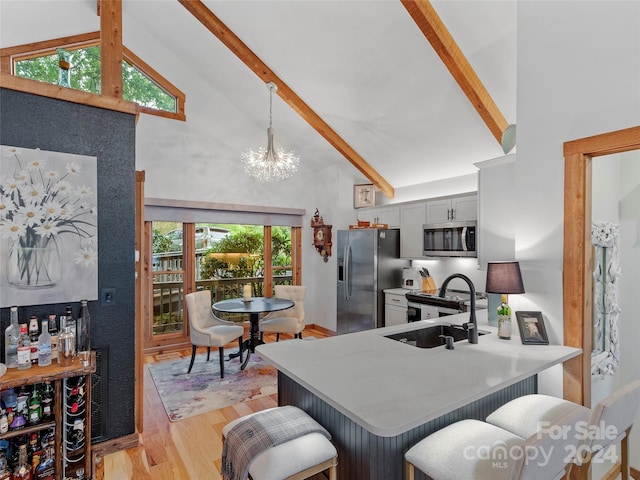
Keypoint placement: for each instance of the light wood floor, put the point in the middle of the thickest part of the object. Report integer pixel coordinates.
(189, 449)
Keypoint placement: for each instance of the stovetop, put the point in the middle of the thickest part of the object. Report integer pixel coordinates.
(452, 298)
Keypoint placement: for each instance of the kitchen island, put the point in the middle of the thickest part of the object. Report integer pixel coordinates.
(378, 397)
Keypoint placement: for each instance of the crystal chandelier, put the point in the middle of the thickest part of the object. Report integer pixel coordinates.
(272, 163)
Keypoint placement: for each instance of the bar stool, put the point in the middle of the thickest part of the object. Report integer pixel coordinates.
(616, 412)
(295, 459)
(475, 450)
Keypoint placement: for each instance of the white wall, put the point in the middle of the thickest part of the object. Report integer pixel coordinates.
(578, 78)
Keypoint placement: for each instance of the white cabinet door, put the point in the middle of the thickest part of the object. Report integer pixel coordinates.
(465, 208)
(459, 209)
(496, 212)
(389, 215)
(394, 315)
(439, 211)
(413, 216)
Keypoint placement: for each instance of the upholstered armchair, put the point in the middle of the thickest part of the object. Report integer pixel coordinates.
(290, 320)
(207, 330)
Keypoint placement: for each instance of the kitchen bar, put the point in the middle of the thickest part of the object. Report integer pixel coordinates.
(378, 396)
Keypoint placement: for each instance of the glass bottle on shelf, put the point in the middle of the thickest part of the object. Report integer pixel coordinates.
(24, 349)
(47, 401)
(44, 345)
(53, 331)
(83, 338)
(34, 405)
(33, 336)
(70, 322)
(5, 473)
(4, 422)
(11, 403)
(46, 469)
(11, 338)
(66, 346)
(23, 469)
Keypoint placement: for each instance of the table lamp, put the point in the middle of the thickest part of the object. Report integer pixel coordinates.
(503, 278)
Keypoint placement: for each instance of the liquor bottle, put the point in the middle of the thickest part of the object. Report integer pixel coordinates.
(46, 469)
(47, 401)
(20, 415)
(33, 336)
(66, 346)
(34, 450)
(44, 345)
(4, 422)
(83, 339)
(53, 331)
(34, 404)
(71, 323)
(11, 403)
(24, 349)
(11, 337)
(23, 469)
(5, 473)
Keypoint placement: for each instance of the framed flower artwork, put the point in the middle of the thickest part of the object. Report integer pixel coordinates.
(48, 227)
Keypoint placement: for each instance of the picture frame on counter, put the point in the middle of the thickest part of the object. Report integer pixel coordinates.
(532, 329)
(364, 195)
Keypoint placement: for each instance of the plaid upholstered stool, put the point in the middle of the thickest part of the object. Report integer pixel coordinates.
(295, 459)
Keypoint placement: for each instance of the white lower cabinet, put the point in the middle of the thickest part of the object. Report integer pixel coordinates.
(395, 309)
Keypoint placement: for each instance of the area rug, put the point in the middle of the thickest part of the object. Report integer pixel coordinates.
(187, 394)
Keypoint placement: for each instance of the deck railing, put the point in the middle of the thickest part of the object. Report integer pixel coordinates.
(168, 292)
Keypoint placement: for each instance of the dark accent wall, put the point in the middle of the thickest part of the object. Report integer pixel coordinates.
(32, 121)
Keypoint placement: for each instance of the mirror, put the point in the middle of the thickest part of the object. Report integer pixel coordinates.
(578, 254)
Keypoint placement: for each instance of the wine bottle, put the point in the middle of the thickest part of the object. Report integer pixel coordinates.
(44, 345)
(24, 349)
(35, 406)
(83, 339)
(33, 336)
(53, 331)
(47, 401)
(11, 337)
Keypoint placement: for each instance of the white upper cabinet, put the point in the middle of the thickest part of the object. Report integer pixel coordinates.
(383, 214)
(413, 216)
(496, 212)
(459, 209)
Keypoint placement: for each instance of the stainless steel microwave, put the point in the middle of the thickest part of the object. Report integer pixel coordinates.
(451, 239)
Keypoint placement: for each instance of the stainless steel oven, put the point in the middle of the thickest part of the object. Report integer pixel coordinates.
(420, 311)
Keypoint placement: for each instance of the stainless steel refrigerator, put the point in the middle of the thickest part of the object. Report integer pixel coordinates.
(368, 263)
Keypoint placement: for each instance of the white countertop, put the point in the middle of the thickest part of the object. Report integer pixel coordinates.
(389, 387)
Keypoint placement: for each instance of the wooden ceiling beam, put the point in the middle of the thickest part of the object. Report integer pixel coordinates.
(251, 60)
(111, 47)
(447, 49)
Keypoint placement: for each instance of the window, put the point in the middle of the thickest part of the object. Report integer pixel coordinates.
(141, 84)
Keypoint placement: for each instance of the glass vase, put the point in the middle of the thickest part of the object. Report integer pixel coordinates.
(37, 266)
(504, 327)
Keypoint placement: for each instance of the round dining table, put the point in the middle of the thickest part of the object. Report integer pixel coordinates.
(254, 307)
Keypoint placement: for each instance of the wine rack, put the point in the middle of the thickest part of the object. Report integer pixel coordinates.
(60, 377)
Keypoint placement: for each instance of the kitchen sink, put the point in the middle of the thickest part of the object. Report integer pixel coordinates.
(429, 337)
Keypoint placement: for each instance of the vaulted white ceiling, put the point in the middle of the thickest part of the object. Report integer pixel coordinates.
(362, 65)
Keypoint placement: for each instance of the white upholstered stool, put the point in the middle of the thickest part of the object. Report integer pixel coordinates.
(296, 459)
(475, 450)
(616, 412)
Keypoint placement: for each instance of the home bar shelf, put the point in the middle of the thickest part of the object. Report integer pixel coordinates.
(56, 374)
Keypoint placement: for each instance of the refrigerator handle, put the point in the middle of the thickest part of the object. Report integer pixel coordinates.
(347, 272)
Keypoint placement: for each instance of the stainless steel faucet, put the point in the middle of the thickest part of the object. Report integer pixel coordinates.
(472, 325)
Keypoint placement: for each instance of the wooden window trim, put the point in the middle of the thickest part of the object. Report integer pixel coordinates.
(9, 55)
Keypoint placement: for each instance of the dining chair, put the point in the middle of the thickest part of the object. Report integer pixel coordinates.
(615, 413)
(207, 330)
(290, 320)
(476, 450)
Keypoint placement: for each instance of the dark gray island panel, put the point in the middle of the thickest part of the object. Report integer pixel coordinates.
(365, 456)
